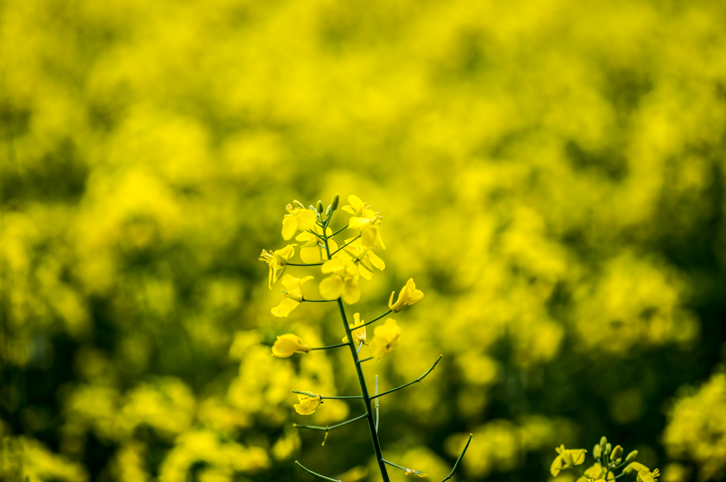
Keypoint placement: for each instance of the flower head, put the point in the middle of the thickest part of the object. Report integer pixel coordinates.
(307, 404)
(644, 473)
(386, 339)
(566, 459)
(408, 296)
(277, 261)
(287, 345)
(359, 335)
(342, 282)
(366, 221)
(365, 257)
(293, 295)
(311, 250)
(297, 219)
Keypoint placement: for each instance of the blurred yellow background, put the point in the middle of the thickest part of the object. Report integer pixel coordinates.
(551, 173)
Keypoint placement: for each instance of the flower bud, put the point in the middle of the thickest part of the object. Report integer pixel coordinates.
(617, 452)
(329, 211)
(597, 451)
(299, 204)
(617, 462)
(631, 456)
(603, 441)
(334, 202)
(608, 448)
(319, 206)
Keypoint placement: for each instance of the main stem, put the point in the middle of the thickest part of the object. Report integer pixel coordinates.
(363, 387)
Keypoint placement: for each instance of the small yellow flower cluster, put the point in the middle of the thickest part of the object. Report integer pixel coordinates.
(607, 460)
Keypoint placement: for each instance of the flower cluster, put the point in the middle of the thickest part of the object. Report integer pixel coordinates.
(607, 460)
(342, 266)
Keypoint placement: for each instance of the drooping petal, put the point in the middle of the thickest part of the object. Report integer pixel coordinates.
(287, 345)
(289, 227)
(285, 307)
(376, 261)
(351, 291)
(331, 288)
(307, 404)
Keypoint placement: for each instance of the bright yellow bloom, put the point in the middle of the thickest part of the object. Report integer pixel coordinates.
(366, 221)
(408, 296)
(312, 251)
(293, 295)
(595, 473)
(566, 459)
(644, 473)
(359, 336)
(342, 282)
(386, 339)
(289, 344)
(297, 219)
(366, 258)
(277, 261)
(307, 404)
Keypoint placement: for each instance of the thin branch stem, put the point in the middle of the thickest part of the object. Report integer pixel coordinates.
(451, 474)
(318, 301)
(345, 245)
(374, 320)
(330, 427)
(378, 415)
(329, 346)
(338, 231)
(365, 360)
(405, 469)
(304, 264)
(410, 383)
(343, 397)
(316, 474)
(316, 234)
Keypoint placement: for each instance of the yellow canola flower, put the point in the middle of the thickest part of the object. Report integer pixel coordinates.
(342, 282)
(386, 339)
(595, 473)
(408, 296)
(287, 345)
(644, 473)
(297, 219)
(311, 251)
(277, 261)
(359, 336)
(365, 221)
(566, 459)
(293, 295)
(364, 257)
(307, 405)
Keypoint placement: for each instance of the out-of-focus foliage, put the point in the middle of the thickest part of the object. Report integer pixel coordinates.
(551, 173)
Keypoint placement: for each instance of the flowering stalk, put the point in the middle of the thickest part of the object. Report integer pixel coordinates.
(344, 266)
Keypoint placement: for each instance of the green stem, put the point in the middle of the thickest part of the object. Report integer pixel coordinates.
(346, 244)
(373, 321)
(329, 427)
(343, 397)
(318, 301)
(405, 469)
(314, 233)
(316, 474)
(410, 383)
(339, 231)
(329, 346)
(304, 264)
(451, 474)
(365, 360)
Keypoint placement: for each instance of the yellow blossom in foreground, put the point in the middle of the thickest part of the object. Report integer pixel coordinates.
(386, 339)
(342, 282)
(359, 336)
(307, 405)
(408, 296)
(365, 221)
(293, 295)
(644, 473)
(310, 250)
(297, 219)
(566, 459)
(365, 257)
(277, 261)
(289, 344)
(595, 472)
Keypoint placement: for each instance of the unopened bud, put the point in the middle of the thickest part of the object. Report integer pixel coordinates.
(603, 441)
(334, 202)
(617, 452)
(299, 204)
(319, 207)
(597, 451)
(631, 456)
(329, 211)
(608, 449)
(617, 462)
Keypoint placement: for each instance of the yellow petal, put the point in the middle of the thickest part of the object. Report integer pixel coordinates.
(331, 288)
(376, 261)
(556, 466)
(285, 307)
(351, 291)
(289, 227)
